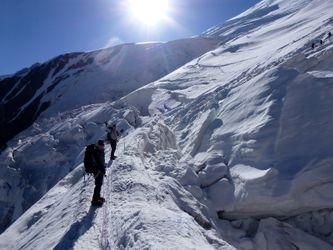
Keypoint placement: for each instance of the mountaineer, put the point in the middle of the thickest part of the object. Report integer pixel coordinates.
(94, 163)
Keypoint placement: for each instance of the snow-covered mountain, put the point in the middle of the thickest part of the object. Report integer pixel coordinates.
(72, 80)
(231, 151)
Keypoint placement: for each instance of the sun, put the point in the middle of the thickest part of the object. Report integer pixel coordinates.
(149, 12)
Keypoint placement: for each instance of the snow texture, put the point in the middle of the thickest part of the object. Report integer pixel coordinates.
(231, 151)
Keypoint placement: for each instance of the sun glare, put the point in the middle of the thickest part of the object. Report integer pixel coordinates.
(149, 12)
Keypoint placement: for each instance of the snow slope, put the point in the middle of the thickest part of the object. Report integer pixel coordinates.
(232, 150)
(63, 84)
(72, 80)
(142, 206)
(253, 117)
(47, 152)
(60, 85)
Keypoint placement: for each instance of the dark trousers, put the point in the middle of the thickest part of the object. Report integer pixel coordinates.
(113, 144)
(98, 185)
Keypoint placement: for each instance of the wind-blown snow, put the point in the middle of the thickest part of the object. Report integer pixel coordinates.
(231, 151)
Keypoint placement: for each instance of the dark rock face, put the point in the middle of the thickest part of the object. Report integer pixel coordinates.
(20, 104)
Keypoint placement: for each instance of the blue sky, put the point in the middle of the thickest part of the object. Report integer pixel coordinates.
(36, 30)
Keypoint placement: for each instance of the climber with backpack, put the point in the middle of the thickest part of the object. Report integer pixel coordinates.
(94, 163)
(112, 136)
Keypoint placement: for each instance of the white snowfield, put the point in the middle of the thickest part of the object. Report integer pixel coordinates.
(232, 151)
(118, 70)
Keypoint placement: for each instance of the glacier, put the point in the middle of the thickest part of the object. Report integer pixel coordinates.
(233, 150)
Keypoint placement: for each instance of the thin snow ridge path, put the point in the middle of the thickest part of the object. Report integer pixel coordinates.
(135, 183)
(104, 234)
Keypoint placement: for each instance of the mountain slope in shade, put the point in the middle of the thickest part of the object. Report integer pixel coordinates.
(72, 80)
(231, 151)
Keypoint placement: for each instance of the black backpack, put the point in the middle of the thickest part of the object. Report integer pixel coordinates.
(89, 160)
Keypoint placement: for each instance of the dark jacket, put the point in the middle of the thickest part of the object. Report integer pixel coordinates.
(99, 159)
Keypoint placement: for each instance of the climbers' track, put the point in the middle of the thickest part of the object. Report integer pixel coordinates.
(104, 233)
